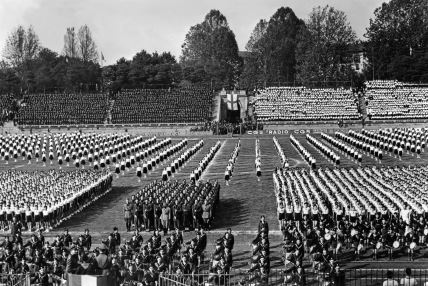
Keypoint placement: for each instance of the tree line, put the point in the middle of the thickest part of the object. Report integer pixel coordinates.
(283, 49)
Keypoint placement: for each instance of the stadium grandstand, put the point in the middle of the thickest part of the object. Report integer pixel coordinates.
(162, 106)
(67, 108)
(393, 100)
(303, 104)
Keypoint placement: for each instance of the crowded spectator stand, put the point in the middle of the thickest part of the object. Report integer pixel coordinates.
(285, 104)
(394, 100)
(63, 108)
(191, 105)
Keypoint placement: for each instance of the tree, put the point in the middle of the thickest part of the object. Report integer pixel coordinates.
(70, 43)
(397, 37)
(87, 50)
(21, 46)
(323, 50)
(272, 48)
(212, 45)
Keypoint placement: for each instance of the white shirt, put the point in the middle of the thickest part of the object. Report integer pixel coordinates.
(390, 282)
(408, 281)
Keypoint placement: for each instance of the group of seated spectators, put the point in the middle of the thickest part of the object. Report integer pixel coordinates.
(43, 199)
(260, 255)
(389, 99)
(172, 204)
(162, 106)
(380, 211)
(6, 108)
(63, 108)
(304, 104)
(123, 262)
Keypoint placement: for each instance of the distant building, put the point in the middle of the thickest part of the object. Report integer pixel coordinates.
(359, 58)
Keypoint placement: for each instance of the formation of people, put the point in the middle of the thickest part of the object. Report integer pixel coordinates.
(203, 164)
(231, 163)
(381, 211)
(258, 161)
(331, 155)
(343, 147)
(171, 204)
(44, 199)
(312, 162)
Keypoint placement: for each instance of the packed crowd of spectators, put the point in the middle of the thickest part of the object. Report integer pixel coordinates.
(388, 99)
(6, 108)
(123, 262)
(303, 104)
(63, 108)
(43, 199)
(162, 106)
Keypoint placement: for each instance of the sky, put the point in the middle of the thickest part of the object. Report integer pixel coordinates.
(121, 28)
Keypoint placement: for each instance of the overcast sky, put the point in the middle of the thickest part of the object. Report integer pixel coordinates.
(123, 27)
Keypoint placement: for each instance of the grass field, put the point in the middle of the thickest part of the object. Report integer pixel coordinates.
(241, 203)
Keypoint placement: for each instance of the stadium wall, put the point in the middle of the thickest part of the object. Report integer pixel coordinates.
(161, 131)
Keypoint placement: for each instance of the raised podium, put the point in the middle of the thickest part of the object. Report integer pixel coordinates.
(89, 280)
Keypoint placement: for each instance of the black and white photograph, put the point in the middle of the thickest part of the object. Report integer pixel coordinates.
(213, 143)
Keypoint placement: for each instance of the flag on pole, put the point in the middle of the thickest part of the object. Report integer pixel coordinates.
(232, 101)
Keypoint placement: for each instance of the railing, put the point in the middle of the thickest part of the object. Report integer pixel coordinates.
(348, 277)
(14, 280)
(376, 277)
(242, 278)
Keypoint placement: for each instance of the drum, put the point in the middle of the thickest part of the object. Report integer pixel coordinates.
(379, 245)
(412, 245)
(327, 236)
(426, 231)
(396, 244)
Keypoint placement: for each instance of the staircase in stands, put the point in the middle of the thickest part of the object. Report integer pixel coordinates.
(9, 128)
(107, 120)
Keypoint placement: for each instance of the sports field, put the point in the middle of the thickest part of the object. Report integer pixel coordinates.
(241, 203)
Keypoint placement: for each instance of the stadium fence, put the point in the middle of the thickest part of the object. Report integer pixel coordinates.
(15, 280)
(347, 277)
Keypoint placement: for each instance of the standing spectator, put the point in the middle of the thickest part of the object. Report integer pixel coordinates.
(408, 280)
(15, 227)
(165, 217)
(127, 212)
(389, 279)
